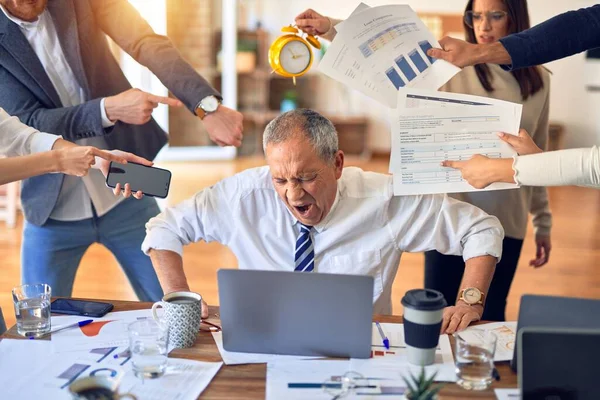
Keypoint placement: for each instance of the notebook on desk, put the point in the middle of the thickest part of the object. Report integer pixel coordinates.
(296, 313)
(559, 363)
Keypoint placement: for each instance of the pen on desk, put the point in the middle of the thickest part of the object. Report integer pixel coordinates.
(495, 374)
(73, 325)
(384, 338)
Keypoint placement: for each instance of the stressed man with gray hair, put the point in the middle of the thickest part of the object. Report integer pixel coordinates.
(305, 212)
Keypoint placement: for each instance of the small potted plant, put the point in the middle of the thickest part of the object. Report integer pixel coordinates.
(421, 387)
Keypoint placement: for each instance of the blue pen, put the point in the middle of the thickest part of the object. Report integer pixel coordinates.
(73, 325)
(386, 342)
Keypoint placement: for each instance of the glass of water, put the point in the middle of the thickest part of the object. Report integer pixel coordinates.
(148, 342)
(32, 309)
(475, 360)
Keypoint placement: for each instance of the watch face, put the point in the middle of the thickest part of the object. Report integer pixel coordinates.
(295, 57)
(472, 295)
(209, 104)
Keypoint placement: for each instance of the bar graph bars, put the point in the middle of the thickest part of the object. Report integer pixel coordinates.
(417, 60)
(395, 78)
(405, 67)
(425, 45)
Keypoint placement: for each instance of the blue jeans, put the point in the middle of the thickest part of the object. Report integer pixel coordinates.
(51, 253)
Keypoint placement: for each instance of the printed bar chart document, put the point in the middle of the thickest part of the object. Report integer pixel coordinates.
(390, 44)
(340, 64)
(424, 135)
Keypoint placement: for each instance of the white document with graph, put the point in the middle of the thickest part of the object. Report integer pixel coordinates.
(506, 333)
(424, 135)
(390, 43)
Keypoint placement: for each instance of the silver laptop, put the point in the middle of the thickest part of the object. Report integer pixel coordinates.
(296, 313)
(559, 363)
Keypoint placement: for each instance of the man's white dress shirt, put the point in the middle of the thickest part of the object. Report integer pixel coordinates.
(77, 195)
(18, 139)
(365, 232)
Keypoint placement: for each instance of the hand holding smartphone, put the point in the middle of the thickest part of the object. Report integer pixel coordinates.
(151, 181)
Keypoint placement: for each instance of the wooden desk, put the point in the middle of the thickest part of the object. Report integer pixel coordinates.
(248, 381)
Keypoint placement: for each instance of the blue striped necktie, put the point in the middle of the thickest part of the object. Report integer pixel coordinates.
(304, 258)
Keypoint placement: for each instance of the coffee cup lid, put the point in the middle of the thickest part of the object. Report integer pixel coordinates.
(424, 299)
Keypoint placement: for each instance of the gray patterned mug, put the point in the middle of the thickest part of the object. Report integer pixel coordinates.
(183, 313)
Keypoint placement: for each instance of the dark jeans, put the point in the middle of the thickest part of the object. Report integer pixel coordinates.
(444, 273)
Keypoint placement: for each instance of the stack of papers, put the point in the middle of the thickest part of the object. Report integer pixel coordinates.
(382, 52)
(45, 369)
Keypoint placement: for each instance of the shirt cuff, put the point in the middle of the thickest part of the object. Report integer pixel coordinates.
(41, 141)
(161, 239)
(106, 123)
(483, 244)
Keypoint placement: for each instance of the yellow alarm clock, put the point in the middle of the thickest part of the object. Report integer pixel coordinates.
(290, 55)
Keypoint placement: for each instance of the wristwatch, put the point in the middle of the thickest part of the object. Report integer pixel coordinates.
(471, 296)
(207, 105)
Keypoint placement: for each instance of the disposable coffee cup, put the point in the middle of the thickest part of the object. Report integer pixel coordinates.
(423, 311)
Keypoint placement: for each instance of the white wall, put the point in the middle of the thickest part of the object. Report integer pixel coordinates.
(570, 104)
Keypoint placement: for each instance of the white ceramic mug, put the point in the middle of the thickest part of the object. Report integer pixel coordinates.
(183, 315)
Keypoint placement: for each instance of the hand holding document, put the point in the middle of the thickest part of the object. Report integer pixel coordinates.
(380, 50)
(431, 127)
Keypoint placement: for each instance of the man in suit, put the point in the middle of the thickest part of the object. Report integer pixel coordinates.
(57, 74)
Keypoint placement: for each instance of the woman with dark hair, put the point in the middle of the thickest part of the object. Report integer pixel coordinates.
(486, 21)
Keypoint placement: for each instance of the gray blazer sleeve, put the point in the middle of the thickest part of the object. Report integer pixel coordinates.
(121, 21)
(73, 123)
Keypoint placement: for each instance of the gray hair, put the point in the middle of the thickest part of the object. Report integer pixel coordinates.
(319, 131)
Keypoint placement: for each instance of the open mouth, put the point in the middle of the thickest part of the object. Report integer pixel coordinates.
(303, 209)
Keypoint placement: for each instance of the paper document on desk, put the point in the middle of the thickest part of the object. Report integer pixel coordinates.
(36, 372)
(390, 44)
(506, 332)
(306, 379)
(29, 369)
(235, 358)
(108, 331)
(395, 359)
(184, 380)
(423, 136)
(507, 394)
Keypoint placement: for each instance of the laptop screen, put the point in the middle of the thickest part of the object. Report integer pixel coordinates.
(559, 364)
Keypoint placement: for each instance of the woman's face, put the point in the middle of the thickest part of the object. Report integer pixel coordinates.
(490, 20)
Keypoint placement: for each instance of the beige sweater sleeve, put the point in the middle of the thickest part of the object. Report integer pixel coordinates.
(579, 167)
(539, 206)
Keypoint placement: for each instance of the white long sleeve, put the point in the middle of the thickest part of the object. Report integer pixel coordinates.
(18, 139)
(579, 167)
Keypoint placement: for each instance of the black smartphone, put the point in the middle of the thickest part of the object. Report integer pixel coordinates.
(85, 308)
(151, 181)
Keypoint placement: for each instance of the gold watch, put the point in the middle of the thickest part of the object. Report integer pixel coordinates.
(472, 296)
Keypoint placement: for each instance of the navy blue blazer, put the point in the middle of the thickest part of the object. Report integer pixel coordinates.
(81, 25)
(561, 36)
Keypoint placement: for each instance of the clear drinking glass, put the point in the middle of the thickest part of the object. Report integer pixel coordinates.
(148, 342)
(32, 309)
(475, 360)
